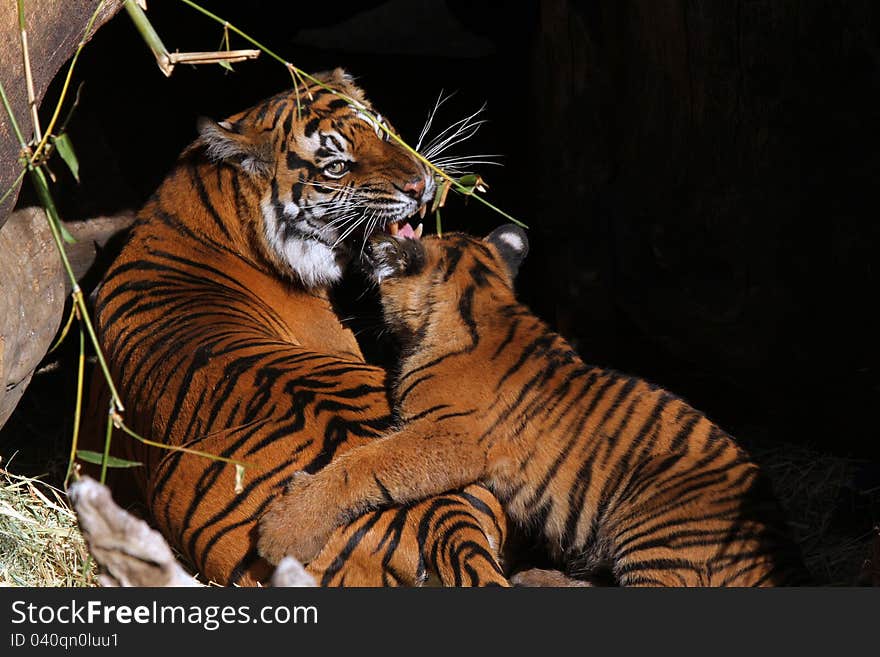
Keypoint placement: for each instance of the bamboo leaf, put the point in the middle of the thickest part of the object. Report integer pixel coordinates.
(65, 149)
(112, 462)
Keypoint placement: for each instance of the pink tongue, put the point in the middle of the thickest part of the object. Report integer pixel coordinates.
(406, 231)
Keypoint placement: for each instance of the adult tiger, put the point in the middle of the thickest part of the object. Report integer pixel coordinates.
(615, 473)
(217, 326)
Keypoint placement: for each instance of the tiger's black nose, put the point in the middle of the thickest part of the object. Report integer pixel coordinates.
(415, 187)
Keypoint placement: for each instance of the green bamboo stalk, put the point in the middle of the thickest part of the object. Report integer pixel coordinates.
(149, 35)
(42, 187)
(12, 120)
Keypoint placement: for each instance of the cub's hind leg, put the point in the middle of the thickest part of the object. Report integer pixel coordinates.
(371, 551)
(463, 534)
(455, 537)
(702, 520)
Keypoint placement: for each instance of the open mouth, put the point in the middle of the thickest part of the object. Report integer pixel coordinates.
(402, 228)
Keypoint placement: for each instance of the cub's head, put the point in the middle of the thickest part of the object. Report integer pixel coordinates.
(444, 284)
(325, 170)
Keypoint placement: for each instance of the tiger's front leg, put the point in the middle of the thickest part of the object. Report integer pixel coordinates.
(404, 467)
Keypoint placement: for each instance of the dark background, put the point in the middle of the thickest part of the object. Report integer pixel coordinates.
(699, 177)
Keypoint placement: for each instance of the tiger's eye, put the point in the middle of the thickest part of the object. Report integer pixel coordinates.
(337, 168)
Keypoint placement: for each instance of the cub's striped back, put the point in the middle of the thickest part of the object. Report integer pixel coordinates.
(615, 473)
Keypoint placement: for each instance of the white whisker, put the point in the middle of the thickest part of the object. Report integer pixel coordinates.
(454, 131)
(327, 185)
(466, 163)
(430, 121)
(457, 126)
(341, 221)
(456, 138)
(371, 226)
(454, 159)
(348, 231)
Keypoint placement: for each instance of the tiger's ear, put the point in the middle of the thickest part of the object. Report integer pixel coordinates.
(512, 244)
(343, 81)
(224, 142)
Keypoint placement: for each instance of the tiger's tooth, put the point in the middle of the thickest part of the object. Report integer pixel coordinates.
(418, 232)
(393, 228)
(422, 210)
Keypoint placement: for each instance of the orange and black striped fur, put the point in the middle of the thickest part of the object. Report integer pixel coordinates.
(614, 472)
(218, 330)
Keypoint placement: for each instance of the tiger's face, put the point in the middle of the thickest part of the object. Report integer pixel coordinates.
(425, 284)
(329, 175)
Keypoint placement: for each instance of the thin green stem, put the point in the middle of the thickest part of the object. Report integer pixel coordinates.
(13, 186)
(176, 448)
(80, 302)
(479, 198)
(11, 116)
(244, 36)
(107, 437)
(63, 127)
(42, 187)
(77, 413)
(42, 145)
(67, 325)
(40, 183)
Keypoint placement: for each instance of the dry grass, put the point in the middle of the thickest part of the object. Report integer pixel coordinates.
(40, 544)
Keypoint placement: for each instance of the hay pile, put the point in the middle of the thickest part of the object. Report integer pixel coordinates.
(40, 544)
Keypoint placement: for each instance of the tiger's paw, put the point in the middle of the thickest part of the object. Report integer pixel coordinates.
(298, 523)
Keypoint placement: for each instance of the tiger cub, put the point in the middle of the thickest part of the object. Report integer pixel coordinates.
(614, 472)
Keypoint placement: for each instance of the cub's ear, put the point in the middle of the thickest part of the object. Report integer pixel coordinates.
(512, 244)
(225, 142)
(386, 256)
